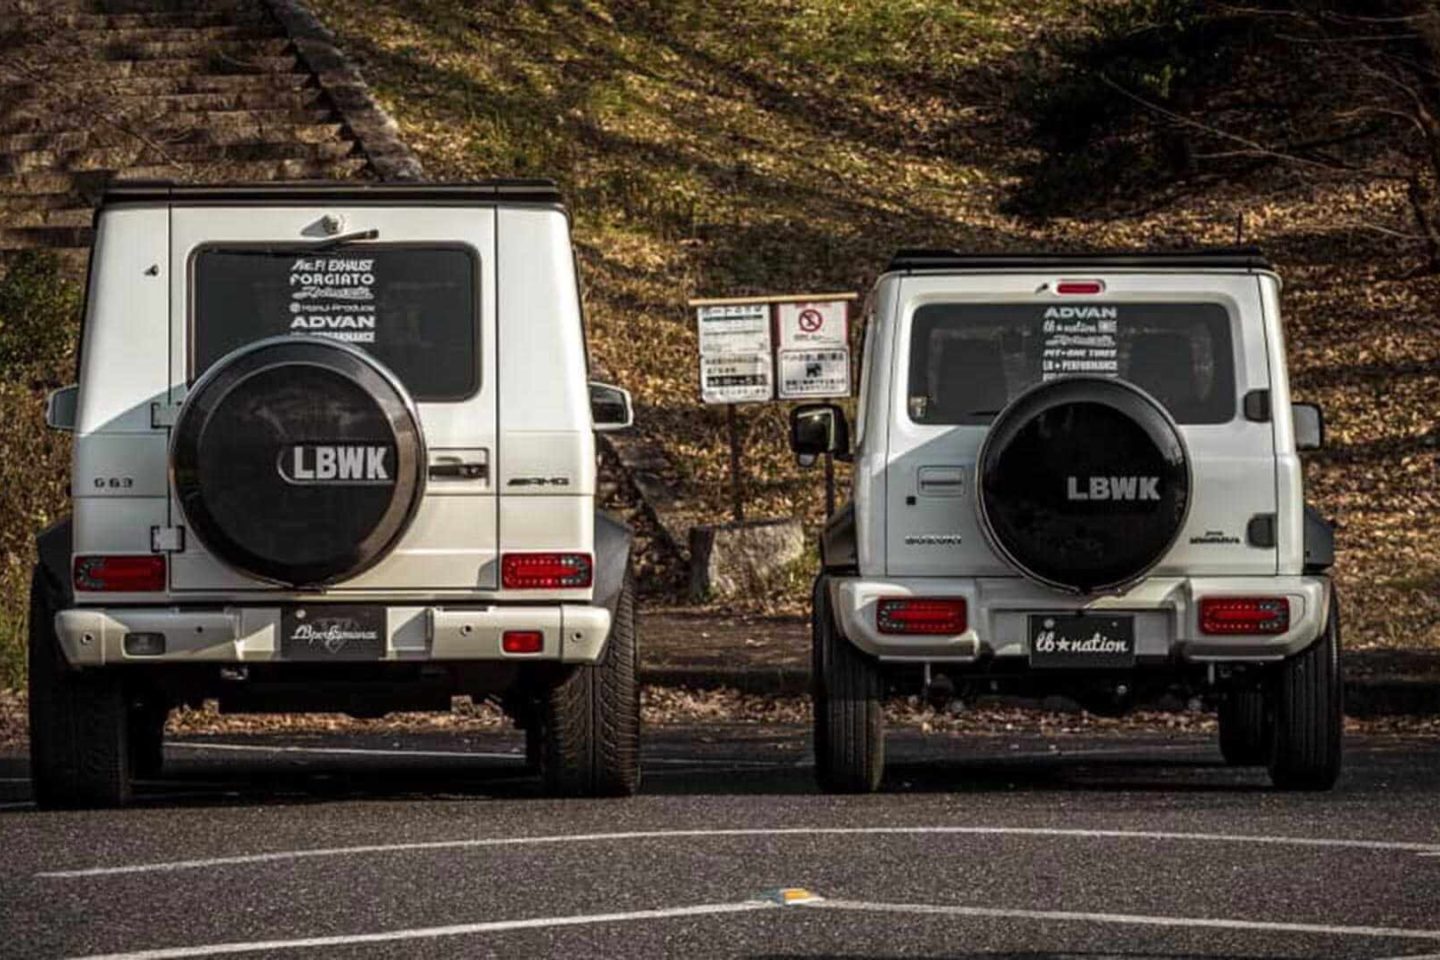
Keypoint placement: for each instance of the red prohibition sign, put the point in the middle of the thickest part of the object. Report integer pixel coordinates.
(811, 320)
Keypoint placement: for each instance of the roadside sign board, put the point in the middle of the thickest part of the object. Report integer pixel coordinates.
(758, 349)
(743, 378)
(813, 325)
(814, 356)
(734, 330)
(814, 373)
(735, 352)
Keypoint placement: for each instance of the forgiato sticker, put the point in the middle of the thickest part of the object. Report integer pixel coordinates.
(334, 297)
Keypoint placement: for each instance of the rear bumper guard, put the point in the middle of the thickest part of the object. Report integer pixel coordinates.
(93, 637)
(1165, 610)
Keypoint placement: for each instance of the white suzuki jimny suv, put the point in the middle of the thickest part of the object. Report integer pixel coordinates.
(1077, 475)
(334, 450)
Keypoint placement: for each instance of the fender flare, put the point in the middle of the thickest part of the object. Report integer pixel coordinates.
(54, 547)
(613, 540)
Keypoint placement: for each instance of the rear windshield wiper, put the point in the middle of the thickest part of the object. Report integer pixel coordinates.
(327, 243)
(344, 238)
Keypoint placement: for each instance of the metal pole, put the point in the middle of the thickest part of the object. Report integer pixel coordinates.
(829, 485)
(737, 494)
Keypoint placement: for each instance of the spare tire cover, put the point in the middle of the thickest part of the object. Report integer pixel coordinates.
(298, 460)
(1084, 483)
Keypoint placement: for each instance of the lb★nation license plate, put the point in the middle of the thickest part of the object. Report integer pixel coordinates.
(332, 632)
(1081, 641)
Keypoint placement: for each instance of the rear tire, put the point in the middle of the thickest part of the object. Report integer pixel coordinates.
(1307, 714)
(590, 734)
(79, 721)
(1244, 732)
(848, 707)
(147, 739)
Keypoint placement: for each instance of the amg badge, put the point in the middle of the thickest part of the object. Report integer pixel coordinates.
(307, 463)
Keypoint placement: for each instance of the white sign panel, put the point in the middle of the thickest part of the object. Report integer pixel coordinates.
(734, 330)
(735, 353)
(814, 326)
(814, 373)
(739, 379)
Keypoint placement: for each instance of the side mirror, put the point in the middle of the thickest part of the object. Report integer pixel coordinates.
(1309, 426)
(60, 408)
(819, 428)
(610, 407)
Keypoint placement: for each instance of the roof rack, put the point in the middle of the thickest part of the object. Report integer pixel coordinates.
(1196, 258)
(333, 191)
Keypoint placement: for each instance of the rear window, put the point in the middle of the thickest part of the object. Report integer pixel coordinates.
(967, 361)
(413, 308)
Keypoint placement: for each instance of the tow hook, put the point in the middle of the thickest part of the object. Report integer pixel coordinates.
(938, 690)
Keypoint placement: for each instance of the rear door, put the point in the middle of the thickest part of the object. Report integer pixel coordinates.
(420, 297)
(968, 344)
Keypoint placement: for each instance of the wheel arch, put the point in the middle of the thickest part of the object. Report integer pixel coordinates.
(613, 541)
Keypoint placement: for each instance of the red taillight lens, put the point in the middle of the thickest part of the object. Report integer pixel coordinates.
(1237, 615)
(545, 571)
(141, 574)
(924, 615)
(1079, 287)
(522, 641)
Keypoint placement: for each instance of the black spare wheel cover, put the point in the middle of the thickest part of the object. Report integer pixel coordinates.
(1084, 483)
(298, 460)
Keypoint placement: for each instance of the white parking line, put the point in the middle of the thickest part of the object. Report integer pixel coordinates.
(430, 933)
(17, 806)
(1267, 926)
(14, 779)
(342, 751)
(432, 754)
(284, 855)
(809, 902)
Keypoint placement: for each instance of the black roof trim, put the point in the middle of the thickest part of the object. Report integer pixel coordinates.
(333, 191)
(1196, 258)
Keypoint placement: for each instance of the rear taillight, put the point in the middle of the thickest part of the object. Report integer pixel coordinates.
(1241, 615)
(1079, 287)
(922, 615)
(137, 574)
(545, 571)
(522, 641)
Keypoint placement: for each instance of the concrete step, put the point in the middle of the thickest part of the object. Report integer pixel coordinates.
(100, 46)
(48, 8)
(225, 134)
(19, 185)
(222, 30)
(238, 171)
(218, 64)
(217, 118)
(191, 19)
(67, 216)
(137, 153)
(14, 95)
(32, 238)
(88, 185)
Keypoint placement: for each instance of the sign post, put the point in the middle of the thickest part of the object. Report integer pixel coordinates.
(759, 349)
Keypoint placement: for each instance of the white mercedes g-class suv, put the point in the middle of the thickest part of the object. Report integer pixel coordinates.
(333, 450)
(1077, 475)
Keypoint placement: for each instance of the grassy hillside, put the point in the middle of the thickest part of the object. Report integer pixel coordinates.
(734, 146)
(775, 145)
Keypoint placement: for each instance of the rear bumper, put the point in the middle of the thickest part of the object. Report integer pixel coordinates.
(93, 637)
(1165, 612)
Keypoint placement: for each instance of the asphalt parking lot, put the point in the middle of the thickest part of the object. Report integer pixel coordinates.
(1013, 846)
